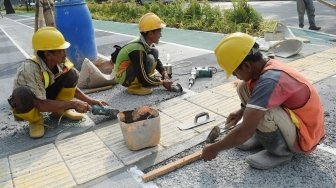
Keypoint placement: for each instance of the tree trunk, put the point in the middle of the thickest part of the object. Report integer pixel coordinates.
(9, 7)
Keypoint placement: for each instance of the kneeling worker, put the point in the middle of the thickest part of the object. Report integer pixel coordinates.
(137, 60)
(281, 110)
(47, 83)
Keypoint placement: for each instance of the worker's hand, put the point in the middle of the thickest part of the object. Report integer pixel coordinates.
(209, 152)
(165, 75)
(81, 106)
(167, 84)
(233, 118)
(97, 102)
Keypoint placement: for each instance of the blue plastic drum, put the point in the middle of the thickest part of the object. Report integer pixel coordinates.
(73, 20)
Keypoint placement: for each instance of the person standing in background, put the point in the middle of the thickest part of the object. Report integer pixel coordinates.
(302, 6)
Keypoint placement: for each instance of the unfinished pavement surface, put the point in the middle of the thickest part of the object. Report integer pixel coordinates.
(104, 139)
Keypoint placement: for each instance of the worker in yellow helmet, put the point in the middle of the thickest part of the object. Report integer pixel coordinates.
(47, 83)
(281, 111)
(137, 61)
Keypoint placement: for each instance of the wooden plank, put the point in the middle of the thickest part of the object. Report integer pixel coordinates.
(171, 166)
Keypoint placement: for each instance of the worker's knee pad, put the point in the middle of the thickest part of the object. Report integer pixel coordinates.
(22, 99)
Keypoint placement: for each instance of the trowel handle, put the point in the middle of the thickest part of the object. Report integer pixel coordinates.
(201, 115)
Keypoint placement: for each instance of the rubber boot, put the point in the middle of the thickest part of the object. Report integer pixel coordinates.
(276, 151)
(67, 94)
(250, 144)
(136, 89)
(35, 118)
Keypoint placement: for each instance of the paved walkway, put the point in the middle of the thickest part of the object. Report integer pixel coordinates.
(92, 156)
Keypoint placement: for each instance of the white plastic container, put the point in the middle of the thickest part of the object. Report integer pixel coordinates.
(141, 134)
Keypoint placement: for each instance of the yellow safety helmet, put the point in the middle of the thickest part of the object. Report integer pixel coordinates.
(149, 22)
(49, 38)
(232, 50)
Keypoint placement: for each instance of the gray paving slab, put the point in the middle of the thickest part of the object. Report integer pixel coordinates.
(122, 180)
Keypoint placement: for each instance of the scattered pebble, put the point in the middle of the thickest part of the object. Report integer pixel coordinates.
(4, 127)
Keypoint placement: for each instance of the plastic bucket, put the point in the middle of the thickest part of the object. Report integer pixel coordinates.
(73, 20)
(141, 134)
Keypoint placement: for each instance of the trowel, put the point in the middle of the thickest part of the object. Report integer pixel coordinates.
(197, 123)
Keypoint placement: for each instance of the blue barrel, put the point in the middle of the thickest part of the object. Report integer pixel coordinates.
(73, 20)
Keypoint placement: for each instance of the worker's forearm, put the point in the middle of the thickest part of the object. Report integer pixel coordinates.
(82, 96)
(234, 138)
(54, 105)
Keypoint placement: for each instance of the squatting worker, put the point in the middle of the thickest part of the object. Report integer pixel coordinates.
(137, 61)
(281, 110)
(47, 83)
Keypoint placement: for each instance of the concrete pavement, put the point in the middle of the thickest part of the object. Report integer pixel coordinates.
(90, 152)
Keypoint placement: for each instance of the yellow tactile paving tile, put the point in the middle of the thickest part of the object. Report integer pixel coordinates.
(228, 89)
(307, 62)
(314, 76)
(329, 67)
(216, 103)
(332, 50)
(87, 157)
(5, 174)
(35, 159)
(114, 140)
(325, 54)
(171, 134)
(56, 175)
(186, 111)
(40, 167)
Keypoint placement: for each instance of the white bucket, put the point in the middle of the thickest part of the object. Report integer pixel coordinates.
(141, 134)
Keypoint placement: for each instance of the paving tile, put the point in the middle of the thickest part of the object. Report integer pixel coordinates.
(186, 111)
(216, 103)
(309, 61)
(331, 50)
(329, 68)
(325, 54)
(171, 134)
(228, 89)
(40, 167)
(114, 140)
(56, 175)
(313, 76)
(87, 157)
(5, 174)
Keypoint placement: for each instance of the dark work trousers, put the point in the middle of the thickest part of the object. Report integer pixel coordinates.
(149, 66)
(23, 99)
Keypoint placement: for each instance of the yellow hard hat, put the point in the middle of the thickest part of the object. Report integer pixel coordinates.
(49, 38)
(149, 22)
(232, 50)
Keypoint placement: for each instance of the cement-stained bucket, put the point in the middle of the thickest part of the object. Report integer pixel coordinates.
(141, 134)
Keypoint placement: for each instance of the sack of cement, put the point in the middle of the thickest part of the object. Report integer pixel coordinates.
(140, 127)
(91, 77)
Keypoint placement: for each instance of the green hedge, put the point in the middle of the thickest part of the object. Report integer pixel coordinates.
(192, 15)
